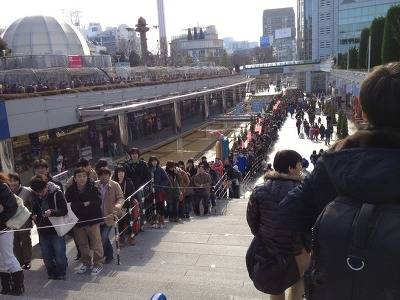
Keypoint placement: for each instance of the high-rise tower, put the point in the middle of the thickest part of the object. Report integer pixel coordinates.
(162, 32)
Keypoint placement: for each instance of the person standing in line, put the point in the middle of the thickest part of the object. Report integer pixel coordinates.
(83, 163)
(112, 199)
(161, 183)
(128, 189)
(184, 181)
(49, 202)
(86, 204)
(22, 239)
(41, 167)
(202, 183)
(191, 170)
(11, 274)
(263, 218)
(173, 193)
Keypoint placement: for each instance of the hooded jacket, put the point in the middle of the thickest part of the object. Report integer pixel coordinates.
(263, 216)
(40, 205)
(364, 167)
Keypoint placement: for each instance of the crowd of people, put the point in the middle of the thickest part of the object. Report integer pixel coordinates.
(102, 200)
(333, 234)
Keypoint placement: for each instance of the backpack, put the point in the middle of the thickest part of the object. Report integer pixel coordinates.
(355, 250)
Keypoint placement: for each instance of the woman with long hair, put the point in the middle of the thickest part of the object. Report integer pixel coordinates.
(128, 189)
(12, 276)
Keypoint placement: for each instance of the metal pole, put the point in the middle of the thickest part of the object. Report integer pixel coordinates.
(348, 58)
(369, 53)
(116, 232)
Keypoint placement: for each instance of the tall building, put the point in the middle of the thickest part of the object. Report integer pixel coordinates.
(279, 26)
(199, 46)
(304, 29)
(230, 45)
(354, 16)
(324, 28)
(162, 32)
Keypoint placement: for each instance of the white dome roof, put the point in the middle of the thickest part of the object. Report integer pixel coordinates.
(41, 35)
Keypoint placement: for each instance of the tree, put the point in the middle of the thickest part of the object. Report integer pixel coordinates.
(363, 49)
(353, 58)
(224, 60)
(391, 36)
(134, 59)
(376, 31)
(263, 55)
(342, 60)
(3, 46)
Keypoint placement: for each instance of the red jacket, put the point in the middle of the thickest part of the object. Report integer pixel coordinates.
(219, 168)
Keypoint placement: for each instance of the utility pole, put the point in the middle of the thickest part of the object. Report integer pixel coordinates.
(348, 58)
(369, 53)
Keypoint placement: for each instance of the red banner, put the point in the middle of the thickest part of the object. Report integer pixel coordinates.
(75, 61)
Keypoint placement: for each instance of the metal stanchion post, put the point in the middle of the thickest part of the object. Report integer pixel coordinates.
(116, 231)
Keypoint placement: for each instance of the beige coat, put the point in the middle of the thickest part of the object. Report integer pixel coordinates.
(114, 196)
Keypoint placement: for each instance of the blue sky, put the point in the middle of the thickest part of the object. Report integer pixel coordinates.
(233, 18)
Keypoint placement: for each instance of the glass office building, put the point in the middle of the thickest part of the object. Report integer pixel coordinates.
(355, 15)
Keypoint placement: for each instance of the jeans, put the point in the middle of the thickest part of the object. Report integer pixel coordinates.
(105, 238)
(203, 198)
(54, 254)
(173, 209)
(8, 262)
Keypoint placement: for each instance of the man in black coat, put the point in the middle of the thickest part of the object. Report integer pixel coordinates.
(136, 169)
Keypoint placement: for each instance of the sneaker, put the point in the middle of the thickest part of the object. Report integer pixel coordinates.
(82, 269)
(96, 270)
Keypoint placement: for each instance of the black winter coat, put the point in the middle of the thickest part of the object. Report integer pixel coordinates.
(40, 205)
(263, 214)
(364, 166)
(86, 204)
(8, 203)
(138, 172)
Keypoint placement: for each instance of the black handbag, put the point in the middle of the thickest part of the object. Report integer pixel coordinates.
(271, 273)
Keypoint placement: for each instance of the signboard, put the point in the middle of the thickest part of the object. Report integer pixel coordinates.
(264, 42)
(283, 33)
(75, 61)
(86, 152)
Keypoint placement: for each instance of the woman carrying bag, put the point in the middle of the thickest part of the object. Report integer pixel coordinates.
(50, 203)
(12, 277)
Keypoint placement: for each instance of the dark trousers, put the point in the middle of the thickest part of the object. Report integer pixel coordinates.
(173, 209)
(187, 205)
(201, 197)
(23, 246)
(105, 238)
(54, 254)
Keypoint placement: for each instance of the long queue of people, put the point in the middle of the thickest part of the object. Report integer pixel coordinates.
(98, 200)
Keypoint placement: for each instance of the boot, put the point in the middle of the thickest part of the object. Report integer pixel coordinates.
(5, 283)
(17, 285)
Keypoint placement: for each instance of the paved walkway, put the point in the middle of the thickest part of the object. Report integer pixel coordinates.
(288, 139)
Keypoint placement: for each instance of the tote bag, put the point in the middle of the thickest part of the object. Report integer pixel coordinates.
(20, 217)
(62, 225)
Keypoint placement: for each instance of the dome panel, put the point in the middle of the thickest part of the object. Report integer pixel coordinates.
(40, 35)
